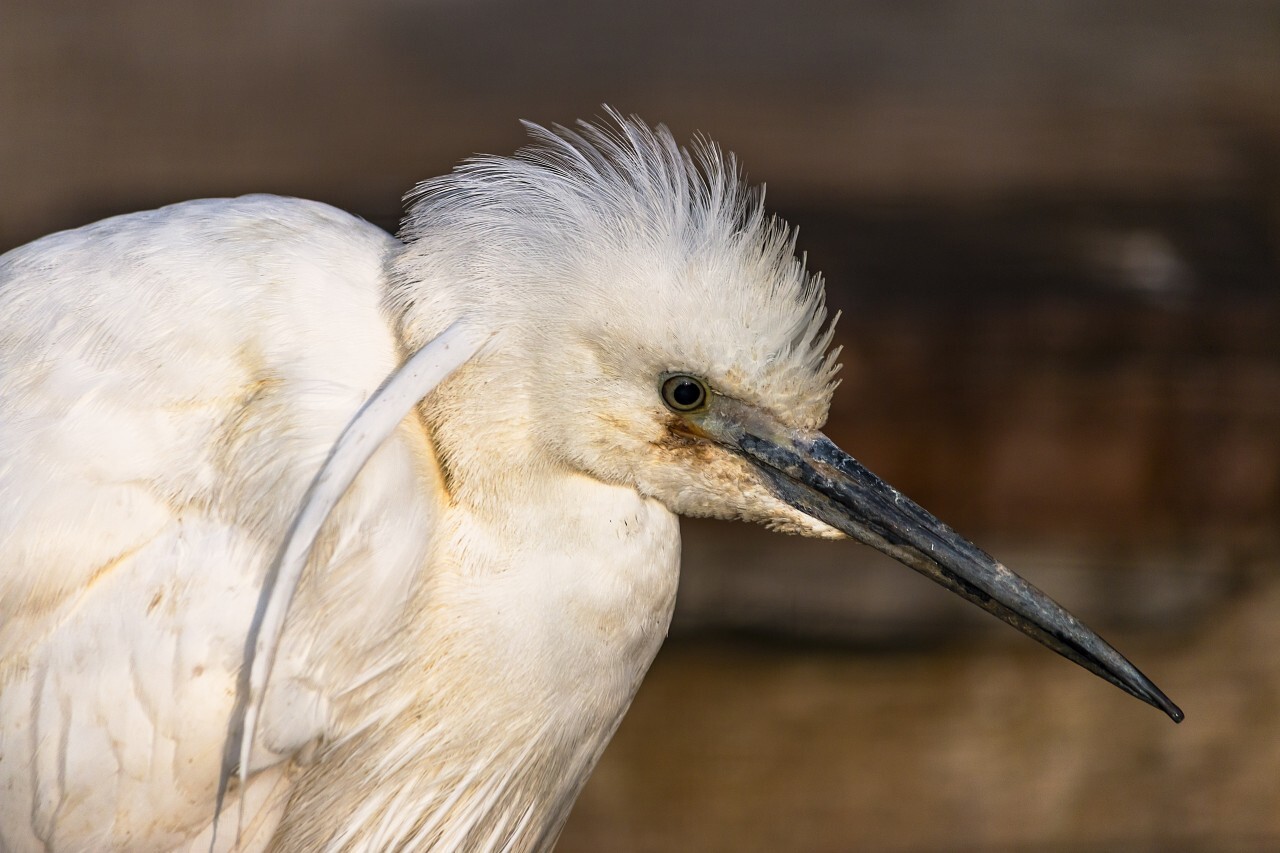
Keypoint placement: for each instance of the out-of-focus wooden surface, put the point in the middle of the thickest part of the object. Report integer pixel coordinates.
(112, 105)
(971, 746)
(1054, 232)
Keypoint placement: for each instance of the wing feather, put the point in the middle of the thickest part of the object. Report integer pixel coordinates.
(170, 382)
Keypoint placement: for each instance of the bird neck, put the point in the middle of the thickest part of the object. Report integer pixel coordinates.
(524, 651)
(548, 595)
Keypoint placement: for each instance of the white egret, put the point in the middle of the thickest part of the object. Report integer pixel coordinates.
(572, 347)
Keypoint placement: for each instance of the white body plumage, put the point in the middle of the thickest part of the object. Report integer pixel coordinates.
(160, 427)
(483, 601)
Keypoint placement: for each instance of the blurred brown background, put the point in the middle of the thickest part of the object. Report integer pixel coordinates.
(1054, 231)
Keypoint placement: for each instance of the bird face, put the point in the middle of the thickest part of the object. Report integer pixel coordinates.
(645, 406)
(658, 435)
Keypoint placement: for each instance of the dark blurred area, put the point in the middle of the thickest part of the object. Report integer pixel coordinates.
(1053, 232)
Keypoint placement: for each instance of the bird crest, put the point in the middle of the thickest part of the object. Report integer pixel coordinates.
(623, 231)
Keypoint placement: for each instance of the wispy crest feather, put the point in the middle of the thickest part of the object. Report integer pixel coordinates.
(620, 213)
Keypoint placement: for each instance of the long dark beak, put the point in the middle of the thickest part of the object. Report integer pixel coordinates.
(812, 474)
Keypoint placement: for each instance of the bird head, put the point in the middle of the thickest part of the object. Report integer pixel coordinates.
(658, 332)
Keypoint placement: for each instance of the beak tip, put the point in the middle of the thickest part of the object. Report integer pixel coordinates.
(1155, 697)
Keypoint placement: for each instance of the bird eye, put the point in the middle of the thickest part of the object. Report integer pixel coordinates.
(684, 393)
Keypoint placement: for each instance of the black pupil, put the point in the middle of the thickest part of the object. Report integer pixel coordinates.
(686, 394)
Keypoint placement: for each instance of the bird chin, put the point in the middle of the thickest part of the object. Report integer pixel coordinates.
(804, 527)
(785, 518)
